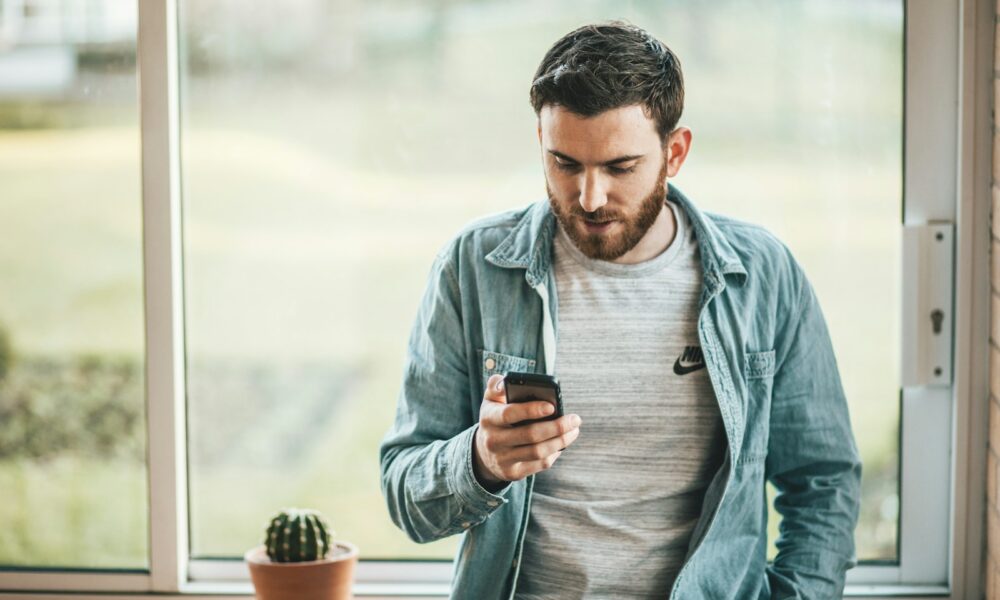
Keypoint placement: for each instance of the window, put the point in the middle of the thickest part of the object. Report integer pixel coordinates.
(72, 409)
(302, 165)
(361, 134)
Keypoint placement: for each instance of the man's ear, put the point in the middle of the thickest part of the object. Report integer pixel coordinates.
(677, 146)
(539, 122)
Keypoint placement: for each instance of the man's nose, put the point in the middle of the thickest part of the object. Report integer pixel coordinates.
(593, 192)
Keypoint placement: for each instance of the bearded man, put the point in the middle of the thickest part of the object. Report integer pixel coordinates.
(694, 361)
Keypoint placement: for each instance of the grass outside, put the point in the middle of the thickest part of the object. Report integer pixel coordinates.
(70, 512)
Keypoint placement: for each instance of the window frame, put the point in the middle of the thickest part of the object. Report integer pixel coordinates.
(943, 430)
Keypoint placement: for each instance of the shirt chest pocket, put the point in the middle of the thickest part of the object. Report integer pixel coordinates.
(759, 372)
(759, 365)
(497, 362)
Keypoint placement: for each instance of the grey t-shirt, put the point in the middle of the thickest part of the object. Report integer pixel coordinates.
(613, 517)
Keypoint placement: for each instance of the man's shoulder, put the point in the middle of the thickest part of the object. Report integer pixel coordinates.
(758, 247)
(745, 234)
(483, 234)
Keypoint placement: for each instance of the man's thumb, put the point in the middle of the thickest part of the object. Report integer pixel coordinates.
(494, 389)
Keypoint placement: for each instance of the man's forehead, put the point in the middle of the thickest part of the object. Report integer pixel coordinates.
(616, 132)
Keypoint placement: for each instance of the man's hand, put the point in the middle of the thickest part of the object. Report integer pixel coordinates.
(504, 451)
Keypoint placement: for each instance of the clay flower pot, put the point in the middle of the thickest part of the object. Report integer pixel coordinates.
(326, 579)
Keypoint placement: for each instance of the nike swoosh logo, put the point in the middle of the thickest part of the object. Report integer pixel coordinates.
(682, 370)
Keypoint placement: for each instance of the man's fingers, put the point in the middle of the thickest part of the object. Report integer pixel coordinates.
(520, 470)
(509, 414)
(494, 402)
(523, 411)
(542, 450)
(499, 414)
(546, 430)
(535, 432)
(494, 389)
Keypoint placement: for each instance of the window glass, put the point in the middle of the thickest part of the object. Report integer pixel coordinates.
(72, 408)
(331, 148)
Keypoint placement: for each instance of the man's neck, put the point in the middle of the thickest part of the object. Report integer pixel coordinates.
(657, 239)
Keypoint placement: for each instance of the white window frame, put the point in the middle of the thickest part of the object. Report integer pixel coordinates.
(948, 91)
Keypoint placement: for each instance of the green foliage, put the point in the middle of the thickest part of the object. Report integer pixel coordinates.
(6, 353)
(95, 513)
(91, 406)
(298, 535)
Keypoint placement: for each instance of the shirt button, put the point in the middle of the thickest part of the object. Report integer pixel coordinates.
(466, 525)
(490, 363)
(514, 564)
(492, 503)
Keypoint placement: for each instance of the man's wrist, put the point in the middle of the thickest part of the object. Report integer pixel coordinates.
(483, 477)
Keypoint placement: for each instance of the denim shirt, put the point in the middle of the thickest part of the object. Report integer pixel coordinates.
(489, 308)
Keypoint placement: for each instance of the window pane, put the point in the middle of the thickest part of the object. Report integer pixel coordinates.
(72, 408)
(331, 149)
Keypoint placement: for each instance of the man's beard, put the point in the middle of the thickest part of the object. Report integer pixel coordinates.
(606, 246)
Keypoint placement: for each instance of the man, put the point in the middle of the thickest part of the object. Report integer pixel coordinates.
(694, 360)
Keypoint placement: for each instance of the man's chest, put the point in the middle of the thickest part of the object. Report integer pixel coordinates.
(629, 362)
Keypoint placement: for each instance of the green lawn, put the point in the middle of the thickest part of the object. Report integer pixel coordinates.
(70, 512)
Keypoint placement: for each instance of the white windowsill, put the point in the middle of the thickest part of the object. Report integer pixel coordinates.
(423, 591)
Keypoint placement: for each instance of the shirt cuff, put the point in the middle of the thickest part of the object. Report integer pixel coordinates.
(464, 482)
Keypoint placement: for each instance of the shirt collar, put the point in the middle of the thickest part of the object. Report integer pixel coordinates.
(529, 244)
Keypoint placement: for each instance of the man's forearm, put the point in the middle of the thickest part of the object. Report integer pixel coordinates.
(432, 491)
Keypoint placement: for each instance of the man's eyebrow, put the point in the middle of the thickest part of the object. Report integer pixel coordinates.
(607, 163)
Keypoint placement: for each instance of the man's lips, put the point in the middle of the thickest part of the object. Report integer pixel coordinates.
(597, 226)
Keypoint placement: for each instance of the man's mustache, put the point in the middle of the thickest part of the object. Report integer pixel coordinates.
(598, 216)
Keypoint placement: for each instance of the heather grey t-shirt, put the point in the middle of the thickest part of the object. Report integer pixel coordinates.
(613, 517)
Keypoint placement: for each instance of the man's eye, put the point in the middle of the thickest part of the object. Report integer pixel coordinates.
(567, 166)
(622, 170)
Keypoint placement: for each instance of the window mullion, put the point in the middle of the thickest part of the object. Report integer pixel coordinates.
(162, 253)
(926, 434)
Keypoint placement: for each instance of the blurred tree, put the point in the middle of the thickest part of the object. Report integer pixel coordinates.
(85, 406)
(6, 353)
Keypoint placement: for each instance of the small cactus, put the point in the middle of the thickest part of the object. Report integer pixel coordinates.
(298, 535)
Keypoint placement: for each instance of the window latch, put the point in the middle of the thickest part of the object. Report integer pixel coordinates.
(928, 278)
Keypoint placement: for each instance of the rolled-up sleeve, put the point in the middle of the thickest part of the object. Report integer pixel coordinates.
(426, 456)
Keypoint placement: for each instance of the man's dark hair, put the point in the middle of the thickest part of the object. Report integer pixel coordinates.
(609, 65)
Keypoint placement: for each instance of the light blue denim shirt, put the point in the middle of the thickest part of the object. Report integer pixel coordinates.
(489, 308)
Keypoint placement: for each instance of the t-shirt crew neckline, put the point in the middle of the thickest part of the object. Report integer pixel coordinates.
(642, 269)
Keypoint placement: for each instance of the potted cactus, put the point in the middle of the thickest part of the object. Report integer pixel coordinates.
(300, 560)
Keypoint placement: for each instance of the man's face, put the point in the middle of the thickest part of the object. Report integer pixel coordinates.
(605, 176)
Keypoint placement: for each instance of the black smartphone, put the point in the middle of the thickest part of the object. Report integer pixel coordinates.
(528, 387)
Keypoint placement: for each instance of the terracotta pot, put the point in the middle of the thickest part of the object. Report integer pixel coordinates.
(326, 579)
